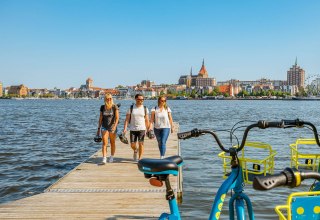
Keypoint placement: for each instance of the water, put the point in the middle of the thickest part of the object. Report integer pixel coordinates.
(41, 140)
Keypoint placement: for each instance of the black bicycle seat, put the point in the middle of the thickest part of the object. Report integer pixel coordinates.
(176, 159)
(158, 166)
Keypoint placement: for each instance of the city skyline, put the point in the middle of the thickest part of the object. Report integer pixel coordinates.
(191, 73)
(51, 44)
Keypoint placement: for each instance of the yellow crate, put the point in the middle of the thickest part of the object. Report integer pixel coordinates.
(300, 205)
(301, 158)
(256, 158)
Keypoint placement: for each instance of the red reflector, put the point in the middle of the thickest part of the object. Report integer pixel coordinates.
(155, 182)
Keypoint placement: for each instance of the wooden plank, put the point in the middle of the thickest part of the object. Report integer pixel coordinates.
(116, 190)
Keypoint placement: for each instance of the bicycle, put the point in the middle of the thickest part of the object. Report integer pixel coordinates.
(157, 170)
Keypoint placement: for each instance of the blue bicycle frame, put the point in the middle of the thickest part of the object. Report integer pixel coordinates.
(174, 209)
(160, 170)
(237, 201)
(235, 182)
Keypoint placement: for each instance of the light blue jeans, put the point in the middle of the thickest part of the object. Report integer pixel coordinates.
(162, 135)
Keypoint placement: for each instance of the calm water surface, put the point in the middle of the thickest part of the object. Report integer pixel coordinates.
(41, 140)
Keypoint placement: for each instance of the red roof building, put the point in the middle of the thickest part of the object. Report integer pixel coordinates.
(203, 72)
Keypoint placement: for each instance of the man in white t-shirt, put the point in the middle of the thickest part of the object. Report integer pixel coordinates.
(138, 120)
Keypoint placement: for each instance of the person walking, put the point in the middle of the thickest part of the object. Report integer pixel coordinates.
(161, 119)
(138, 120)
(108, 122)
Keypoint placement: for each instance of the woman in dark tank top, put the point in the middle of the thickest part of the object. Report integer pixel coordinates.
(108, 121)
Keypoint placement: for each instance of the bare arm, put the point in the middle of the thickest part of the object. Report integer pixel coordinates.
(171, 121)
(126, 122)
(99, 124)
(116, 120)
(151, 120)
(147, 121)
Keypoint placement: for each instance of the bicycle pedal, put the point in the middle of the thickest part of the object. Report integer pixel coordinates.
(155, 182)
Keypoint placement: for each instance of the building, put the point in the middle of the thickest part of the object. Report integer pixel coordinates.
(200, 80)
(18, 91)
(296, 76)
(292, 90)
(147, 83)
(149, 93)
(228, 89)
(255, 85)
(113, 92)
(38, 92)
(231, 87)
(185, 79)
(89, 83)
(1, 89)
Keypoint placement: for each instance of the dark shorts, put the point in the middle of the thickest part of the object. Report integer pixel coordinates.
(108, 129)
(137, 135)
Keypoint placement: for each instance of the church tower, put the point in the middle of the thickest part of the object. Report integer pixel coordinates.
(89, 83)
(203, 72)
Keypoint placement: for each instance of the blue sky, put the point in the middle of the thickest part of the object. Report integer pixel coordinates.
(60, 43)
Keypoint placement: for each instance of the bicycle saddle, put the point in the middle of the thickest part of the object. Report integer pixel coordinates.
(176, 159)
(160, 166)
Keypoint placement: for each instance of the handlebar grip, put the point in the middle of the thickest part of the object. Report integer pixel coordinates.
(295, 122)
(280, 124)
(288, 177)
(270, 124)
(189, 134)
(269, 182)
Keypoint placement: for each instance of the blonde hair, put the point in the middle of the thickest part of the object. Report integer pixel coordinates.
(108, 104)
(165, 104)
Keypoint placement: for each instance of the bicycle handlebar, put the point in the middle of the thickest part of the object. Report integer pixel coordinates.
(189, 134)
(260, 124)
(288, 177)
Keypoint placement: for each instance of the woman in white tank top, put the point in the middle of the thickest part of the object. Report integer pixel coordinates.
(161, 119)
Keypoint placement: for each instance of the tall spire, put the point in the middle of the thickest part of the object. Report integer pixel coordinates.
(296, 61)
(191, 72)
(203, 72)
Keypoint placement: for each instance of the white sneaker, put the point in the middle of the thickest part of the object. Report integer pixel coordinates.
(104, 160)
(135, 155)
(111, 159)
(161, 157)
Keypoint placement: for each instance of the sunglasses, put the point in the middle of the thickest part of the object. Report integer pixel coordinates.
(108, 98)
(163, 100)
(139, 99)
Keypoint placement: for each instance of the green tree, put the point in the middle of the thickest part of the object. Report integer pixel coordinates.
(243, 93)
(193, 94)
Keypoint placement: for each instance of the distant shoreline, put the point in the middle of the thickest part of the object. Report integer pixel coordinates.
(177, 99)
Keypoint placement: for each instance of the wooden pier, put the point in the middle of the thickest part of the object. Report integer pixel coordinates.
(112, 191)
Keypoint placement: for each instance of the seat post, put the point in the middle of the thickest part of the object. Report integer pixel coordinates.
(170, 193)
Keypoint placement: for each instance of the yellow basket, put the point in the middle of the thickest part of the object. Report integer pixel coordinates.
(301, 159)
(300, 205)
(256, 158)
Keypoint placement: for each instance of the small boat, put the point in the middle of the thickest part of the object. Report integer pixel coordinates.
(307, 98)
(181, 98)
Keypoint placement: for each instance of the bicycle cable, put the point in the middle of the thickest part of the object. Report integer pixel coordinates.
(238, 169)
(233, 130)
